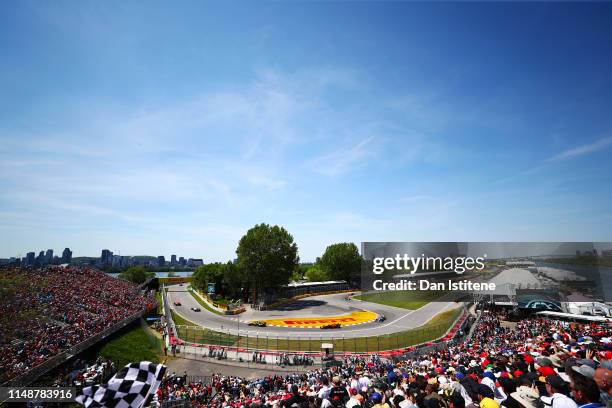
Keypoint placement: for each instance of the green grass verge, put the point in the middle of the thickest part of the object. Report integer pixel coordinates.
(131, 346)
(433, 329)
(203, 303)
(188, 330)
(411, 300)
(178, 320)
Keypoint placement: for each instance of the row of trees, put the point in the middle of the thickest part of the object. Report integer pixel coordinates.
(267, 257)
(228, 279)
(339, 262)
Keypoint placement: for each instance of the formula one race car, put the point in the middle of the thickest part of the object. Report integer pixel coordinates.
(381, 318)
(196, 309)
(258, 323)
(331, 326)
(177, 303)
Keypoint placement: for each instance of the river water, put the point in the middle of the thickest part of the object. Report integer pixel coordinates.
(165, 274)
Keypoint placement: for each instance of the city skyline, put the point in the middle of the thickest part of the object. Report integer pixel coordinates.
(146, 126)
(107, 258)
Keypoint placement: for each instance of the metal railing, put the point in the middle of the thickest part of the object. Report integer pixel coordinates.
(474, 325)
(202, 336)
(183, 403)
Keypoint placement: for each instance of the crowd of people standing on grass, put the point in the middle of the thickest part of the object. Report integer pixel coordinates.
(44, 311)
(535, 363)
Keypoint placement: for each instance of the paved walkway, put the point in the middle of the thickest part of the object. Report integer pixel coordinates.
(207, 367)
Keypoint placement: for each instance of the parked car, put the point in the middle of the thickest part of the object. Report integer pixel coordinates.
(258, 323)
(196, 309)
(177, 303)
(331, 326)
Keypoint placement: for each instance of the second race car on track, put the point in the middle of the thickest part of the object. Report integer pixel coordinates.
(258, 323)
(331, 326)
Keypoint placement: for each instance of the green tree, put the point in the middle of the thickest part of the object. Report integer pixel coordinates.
(209, 273)
(235, 282)
(267, 256)
(316, 274)
(136, 274)
(341, 261)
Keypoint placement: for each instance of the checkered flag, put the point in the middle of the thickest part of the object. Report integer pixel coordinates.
(128, 388)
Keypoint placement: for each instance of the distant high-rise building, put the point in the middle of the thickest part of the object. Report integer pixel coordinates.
(172, 260)
(161, 260)
(66, 256)
(40, 259)
(107, 257)
(182, 261)
(49, 256)
(195, 262)
(126, 261)
(30, 258)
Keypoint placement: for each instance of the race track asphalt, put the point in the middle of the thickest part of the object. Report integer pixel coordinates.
(315, 306)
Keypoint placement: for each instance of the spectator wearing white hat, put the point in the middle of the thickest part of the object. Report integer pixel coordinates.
(526, 396)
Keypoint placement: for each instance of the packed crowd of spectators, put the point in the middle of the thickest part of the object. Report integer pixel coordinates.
(44, 311)
(535, 363)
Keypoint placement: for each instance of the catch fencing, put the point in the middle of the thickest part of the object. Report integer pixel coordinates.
(197, 335)
(200, 340)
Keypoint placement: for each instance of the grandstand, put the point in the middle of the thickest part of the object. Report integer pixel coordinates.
(49, 314)
(302, 288)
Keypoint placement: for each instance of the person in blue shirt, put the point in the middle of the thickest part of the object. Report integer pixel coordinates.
(585, 392)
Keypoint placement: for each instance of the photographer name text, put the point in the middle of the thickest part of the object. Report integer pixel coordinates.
(424, 284)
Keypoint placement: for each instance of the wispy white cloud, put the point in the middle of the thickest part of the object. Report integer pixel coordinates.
(345, 159)
(229, 154)
(583, 150)
(414, 198)
(568, 154)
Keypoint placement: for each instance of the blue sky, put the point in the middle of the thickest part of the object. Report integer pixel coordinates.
(161, 128)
